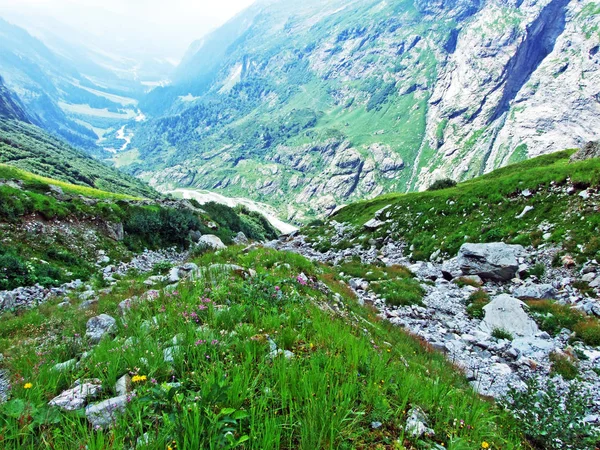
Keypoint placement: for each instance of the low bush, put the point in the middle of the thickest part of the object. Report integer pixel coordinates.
(563, 365)
(444, 183)
(500, 333)
(552, 419)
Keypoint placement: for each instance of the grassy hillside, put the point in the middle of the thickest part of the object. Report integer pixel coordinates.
(486, 209)
(51, 238)
(348, 383)
(28, 147)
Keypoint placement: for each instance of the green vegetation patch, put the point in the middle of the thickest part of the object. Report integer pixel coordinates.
(553, 317)
(487, 209)
(226, 387)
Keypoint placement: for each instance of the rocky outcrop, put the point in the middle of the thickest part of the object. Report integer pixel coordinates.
(495, 261)
(588, 151)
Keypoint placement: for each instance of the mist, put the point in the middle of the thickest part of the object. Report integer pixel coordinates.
(139, 29)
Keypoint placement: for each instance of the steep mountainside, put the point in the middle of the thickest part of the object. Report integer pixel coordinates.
(10, 105)
(28, 147)
(64, 101)
(310, 105)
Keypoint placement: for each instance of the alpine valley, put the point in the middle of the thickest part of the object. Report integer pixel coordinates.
(311, 105)
(334, 224)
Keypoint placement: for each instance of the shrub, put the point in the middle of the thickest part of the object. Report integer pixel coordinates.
(500, 333)
(588, 331)
(464, 281)
(552, 419)
(444, 183)
(538, 270)
(553, 317)
(475, 303)
(563, 365)
(161, 268)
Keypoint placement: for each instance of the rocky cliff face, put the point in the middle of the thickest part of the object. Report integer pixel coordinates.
(316, 105)
(522, 82)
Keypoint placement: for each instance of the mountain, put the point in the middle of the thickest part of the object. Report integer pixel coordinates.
(28, 147)
(310, 105)
(10, 105)
(80, 108)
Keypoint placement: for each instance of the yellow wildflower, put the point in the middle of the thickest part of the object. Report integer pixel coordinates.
(484, 444)
(139, 378)
(27, 386)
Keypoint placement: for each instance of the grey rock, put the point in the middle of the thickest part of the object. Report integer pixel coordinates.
(88, 304)
(374, 224)
(173, 275)
(507, 313)
(588, 151)
(212, 241)
(78, 396)
(104, 414)
(495, 261)
(595, 283)
(99, 326)
(417, 424)
(535, 291)
(241, 239)
(65, 366)
(123, 385)
(588, 277)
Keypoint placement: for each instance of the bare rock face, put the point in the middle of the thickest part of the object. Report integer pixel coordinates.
(494, 261)
(588, 151)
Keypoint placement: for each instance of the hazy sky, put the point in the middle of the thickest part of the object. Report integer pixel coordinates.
(166, 26)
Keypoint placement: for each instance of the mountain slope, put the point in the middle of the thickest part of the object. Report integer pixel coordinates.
(63, 101)
(549, 199)
(322, 103)
(28, 147)
(10, 106)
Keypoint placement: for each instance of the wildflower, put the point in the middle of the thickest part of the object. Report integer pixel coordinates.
(277, 288)
(138, 378)
(484, 444)
(27, 386)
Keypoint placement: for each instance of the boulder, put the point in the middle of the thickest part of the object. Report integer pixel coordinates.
(535, 291)
(97, 327)
(374, 224)
(212, 241)
(241, 239)
(123, 385)
(508, 313)
(496, 261)
(78, 396)
(104, 414)
(416, 424)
